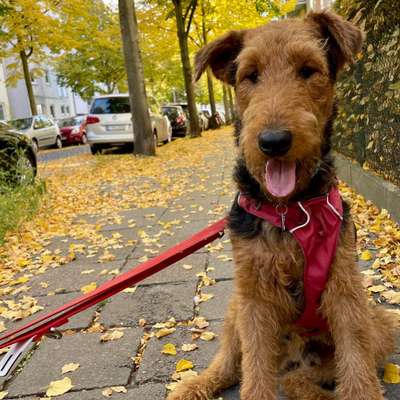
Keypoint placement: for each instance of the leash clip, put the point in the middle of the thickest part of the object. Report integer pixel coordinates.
(282, 211)
(54, 334)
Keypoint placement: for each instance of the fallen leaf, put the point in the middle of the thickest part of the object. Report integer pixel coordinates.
(57, 388)
(366, 255)
(130, 290)
(187, 266)
(392, 373)
(189, 347)
(169, 349)
(208, 336)
(112, 335)
(164, 332)
(391, 296)
(377, 288)
(183, 365)
(3, 395)
(71, 367)
(89, 288)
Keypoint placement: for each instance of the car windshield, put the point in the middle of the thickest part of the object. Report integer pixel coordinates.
(64, 123)
(111, 105)
(171, 112)
(21, 124)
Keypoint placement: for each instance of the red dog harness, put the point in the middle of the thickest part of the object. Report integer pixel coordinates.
(315, 224)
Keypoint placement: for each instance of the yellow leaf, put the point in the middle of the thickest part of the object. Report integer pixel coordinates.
(208, 336)
(113, 335)
(119, 389)
(71, 367)
(169, 349)
(164, 332)
(130, 290)
(57, 388)
(187, 267)
(366, 255)
(377, 288)
(3, 395)
(189, 347)
(392, 373)
(183, 365)
(89, 288)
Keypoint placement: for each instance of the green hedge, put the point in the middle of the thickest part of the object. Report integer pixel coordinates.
(368, 124)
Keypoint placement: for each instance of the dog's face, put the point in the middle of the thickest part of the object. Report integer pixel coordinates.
(284, 75)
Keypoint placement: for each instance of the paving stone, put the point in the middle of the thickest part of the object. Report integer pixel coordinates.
(215, 308)
(159, 367)
(69, 277)
(222, 269)
(101, 364)
(155, 304)
(176, 272)
(144, 392)
(50, 303)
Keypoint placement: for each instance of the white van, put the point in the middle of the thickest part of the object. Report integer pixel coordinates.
(109, 123)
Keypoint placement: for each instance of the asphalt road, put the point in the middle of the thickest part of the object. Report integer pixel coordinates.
(70, 151)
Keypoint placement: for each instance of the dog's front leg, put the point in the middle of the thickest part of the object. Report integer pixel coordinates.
(345, 305)
(259, 332)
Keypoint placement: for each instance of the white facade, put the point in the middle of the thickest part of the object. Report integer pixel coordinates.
(318, 5)
(4, 103)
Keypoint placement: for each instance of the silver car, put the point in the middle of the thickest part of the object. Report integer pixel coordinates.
(109, 123)
(42, 130)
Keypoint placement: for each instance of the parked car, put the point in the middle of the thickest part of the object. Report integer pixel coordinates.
(73, 130)
(18, 163)
(109, 123)
(177, 118)
(42, 130)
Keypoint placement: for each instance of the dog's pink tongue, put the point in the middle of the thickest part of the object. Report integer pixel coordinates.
(280, 177)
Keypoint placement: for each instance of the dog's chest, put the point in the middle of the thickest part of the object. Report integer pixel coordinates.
(271, 263)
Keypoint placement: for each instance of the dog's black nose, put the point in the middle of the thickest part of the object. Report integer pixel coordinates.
(275, 143)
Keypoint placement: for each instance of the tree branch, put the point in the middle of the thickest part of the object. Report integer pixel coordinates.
(193, 5)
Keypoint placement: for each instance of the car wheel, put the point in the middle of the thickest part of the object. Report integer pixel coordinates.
(155, 138)
(84, 139)
(95, 149)
(58, 143)
(35, 145)
(25, 168)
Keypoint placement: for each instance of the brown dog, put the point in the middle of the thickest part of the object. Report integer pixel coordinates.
(284, 75)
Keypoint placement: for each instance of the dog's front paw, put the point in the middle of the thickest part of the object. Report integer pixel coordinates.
(190, 390)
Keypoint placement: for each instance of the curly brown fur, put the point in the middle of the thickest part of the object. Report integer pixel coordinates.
(284, 75)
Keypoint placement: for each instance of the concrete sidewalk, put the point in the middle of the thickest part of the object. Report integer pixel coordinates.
(135, 361)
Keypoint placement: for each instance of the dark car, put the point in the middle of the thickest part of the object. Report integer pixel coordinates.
(177, 117)
(18, 163)
(73, 130)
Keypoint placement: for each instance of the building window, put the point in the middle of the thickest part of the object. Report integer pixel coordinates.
(62, 110)
(52, 111)
(47, 76)
(41, 109)
(67, 109)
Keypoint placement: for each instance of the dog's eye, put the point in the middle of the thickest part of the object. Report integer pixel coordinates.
(253, 77)
(307, 72)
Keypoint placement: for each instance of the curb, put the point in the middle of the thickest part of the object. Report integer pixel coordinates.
(382, 193)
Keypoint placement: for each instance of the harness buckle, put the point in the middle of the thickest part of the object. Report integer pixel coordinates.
(282, 211)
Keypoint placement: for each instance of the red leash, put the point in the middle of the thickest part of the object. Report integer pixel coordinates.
(43, 325)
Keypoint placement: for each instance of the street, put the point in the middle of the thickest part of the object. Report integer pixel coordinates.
(104, 216)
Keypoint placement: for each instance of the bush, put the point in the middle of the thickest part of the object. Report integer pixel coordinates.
(368, 127)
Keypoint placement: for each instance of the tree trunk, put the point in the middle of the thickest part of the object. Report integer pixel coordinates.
(226, 104)
(143, 135)
(231, 104)
(211, 96)
(187, 70)
(28, 82)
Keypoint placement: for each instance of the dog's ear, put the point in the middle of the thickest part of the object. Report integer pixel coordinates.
(220, 55)
(343, 39)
